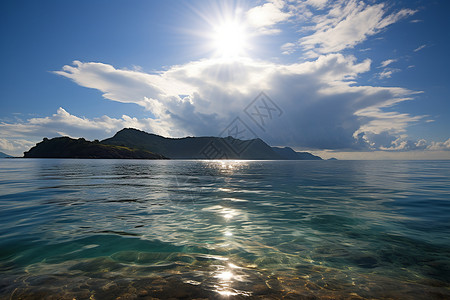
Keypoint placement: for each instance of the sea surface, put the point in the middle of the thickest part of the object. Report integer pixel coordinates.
(139, 229)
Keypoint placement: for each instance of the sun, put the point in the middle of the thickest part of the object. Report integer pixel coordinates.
(221, 30)
(229, 39)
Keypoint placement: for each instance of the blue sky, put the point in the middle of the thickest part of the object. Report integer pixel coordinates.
(353, 79)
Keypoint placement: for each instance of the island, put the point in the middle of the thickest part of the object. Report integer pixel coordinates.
(130, 143)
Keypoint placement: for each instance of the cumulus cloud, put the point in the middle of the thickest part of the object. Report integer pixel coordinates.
(346, 24)
(386, 142)
(440, 146)
(404, 144)
(215, 91)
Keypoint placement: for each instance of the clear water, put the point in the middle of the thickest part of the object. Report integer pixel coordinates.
(107, 229)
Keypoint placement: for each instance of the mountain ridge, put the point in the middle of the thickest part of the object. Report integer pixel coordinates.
(205, 147)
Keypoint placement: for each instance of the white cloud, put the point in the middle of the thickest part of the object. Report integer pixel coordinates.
(266, 16)
(346, 24)
(420, 48)
(288, 48)
(319, 4)
(387, 62)
(380, 122)
(440, 146)
(387, 142)
(122, 85)
(404, 144)
(14, 146)
(386, 130)
(387, 73)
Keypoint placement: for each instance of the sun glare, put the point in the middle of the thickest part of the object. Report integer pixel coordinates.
(229, 40)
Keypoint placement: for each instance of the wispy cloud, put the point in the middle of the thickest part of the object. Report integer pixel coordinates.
(420, 47)
(387, 62)
(387, 73)
(319, 4)
(346, 24)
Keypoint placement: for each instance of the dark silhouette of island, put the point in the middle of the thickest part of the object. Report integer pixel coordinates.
(133, 143)
(65, 147)
(204, 147)
(289, 153)
(4, 155)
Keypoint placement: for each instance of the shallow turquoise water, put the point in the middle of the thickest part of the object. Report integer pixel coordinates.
(104, 229)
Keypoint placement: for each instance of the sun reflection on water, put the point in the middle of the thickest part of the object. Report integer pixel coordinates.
(226, 277)
(227, 166)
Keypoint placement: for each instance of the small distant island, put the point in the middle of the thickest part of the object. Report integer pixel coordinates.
(130, 143)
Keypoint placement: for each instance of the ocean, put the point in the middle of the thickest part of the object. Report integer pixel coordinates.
(195, 229)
